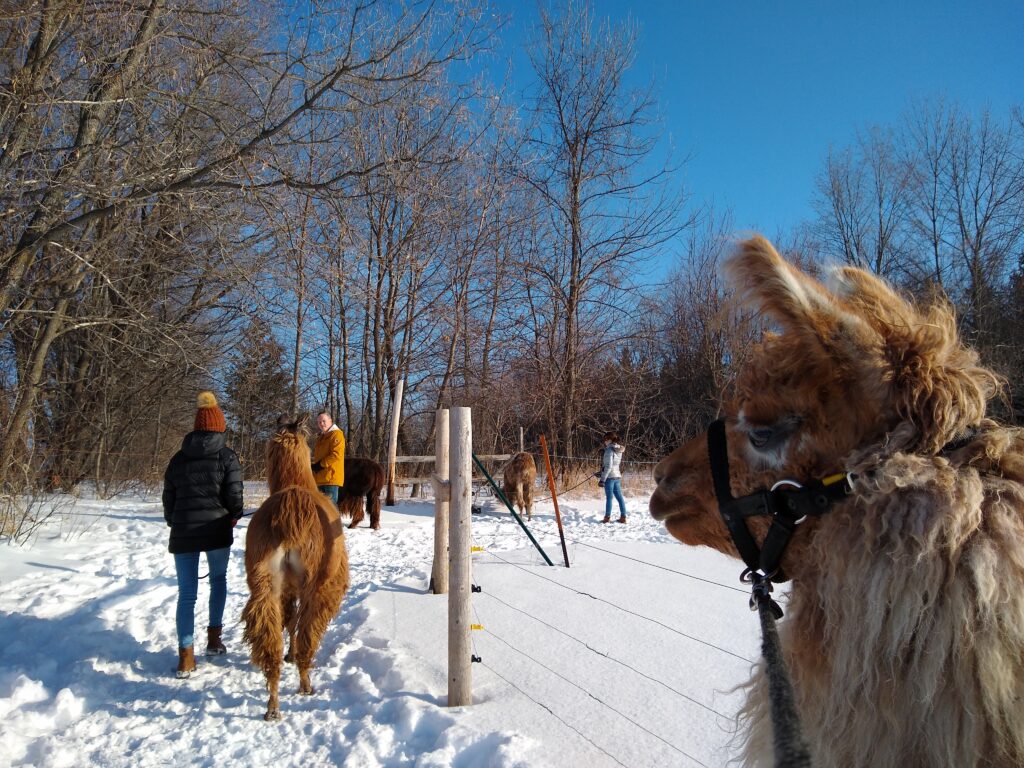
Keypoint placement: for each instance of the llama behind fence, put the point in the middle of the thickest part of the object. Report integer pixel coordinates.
(520, 475)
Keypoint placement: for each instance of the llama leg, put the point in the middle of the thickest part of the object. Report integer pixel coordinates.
(262, 617)
(289, 607)
(273, 673)
(373, 505)
(317, 611)
(356, 504)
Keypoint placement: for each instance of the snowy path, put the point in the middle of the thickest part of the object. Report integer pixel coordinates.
(610, 662)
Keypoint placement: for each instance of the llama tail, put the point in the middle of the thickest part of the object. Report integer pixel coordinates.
(262, 615)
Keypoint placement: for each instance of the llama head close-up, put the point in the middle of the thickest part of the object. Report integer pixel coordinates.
(851, 366)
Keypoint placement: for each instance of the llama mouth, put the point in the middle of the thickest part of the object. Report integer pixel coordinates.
(662, 508)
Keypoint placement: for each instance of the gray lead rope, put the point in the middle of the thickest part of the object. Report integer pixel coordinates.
(790, 748)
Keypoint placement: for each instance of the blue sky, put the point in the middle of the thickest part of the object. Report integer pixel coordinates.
(755, 92)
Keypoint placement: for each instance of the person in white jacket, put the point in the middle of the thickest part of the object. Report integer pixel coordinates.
(611, 476)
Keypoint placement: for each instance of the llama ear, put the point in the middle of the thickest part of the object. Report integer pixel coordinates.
(873, 299)
(288, 423)
(940, 385)
(783, 292)
(301, 420)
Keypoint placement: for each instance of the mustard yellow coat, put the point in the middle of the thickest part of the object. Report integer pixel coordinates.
(330, 452)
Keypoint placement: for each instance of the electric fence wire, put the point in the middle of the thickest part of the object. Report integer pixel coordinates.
(578, 543)
(594, 650)
(554, 714)
(598, 458)
(600, 701)
(570, 726)
(661, 567)
(566, 490)
(590, 648)
(624, 610)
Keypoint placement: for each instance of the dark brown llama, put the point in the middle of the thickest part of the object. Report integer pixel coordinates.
(295, 563)
(364, 480)
(520, 475)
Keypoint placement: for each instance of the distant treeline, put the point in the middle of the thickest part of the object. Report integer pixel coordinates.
(298, 213)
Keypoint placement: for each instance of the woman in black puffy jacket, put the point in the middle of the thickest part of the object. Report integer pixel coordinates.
(202, 503)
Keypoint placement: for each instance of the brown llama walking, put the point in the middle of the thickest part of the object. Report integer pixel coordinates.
(904, 627)
(295, 563)
(364, 479)
(520, 475)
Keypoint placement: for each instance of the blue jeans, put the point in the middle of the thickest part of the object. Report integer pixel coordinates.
(330, 491)
(613, 486)
(187, 566)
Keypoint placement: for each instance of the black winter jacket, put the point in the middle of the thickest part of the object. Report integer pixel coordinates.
(202, 494)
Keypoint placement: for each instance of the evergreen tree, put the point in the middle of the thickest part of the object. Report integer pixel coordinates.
(258, 391)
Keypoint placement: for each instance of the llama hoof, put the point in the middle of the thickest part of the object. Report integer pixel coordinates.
(376, 526)
(309, 691)
(272, 714)
(289, 659)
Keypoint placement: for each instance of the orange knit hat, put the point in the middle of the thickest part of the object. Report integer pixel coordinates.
(209, 417)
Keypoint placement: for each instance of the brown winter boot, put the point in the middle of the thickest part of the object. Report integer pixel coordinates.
(622, 519)
(606, 519)
(186, 662)
(214, 646)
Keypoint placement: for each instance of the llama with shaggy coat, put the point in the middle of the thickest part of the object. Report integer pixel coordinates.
(364, 480)
(904, 634)
(295, 564)
(520, 475)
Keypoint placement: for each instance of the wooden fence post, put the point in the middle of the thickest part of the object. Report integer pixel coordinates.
(442, 490)
(396, 415)
(460, 683)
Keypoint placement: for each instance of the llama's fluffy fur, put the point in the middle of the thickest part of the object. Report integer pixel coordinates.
(519, 477)
(295, 563)
(904, 633)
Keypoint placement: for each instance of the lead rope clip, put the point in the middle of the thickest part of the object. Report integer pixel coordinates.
(761, 591)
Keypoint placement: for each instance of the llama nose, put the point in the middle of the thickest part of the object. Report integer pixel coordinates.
(659, 471)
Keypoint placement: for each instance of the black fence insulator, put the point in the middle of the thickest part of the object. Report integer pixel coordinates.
(475, 659)
(477, 588)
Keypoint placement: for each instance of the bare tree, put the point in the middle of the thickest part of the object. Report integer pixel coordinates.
(938, 205)
(986, 197)
(863, 204)
(120, 122)
(588, 156)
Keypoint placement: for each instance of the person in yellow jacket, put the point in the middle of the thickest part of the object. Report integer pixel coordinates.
(329, 457)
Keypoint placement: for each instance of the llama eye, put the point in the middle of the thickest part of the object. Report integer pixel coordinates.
(760, 437)
(771, 437)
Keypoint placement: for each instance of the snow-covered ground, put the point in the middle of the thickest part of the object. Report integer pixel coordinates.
(625, 658)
